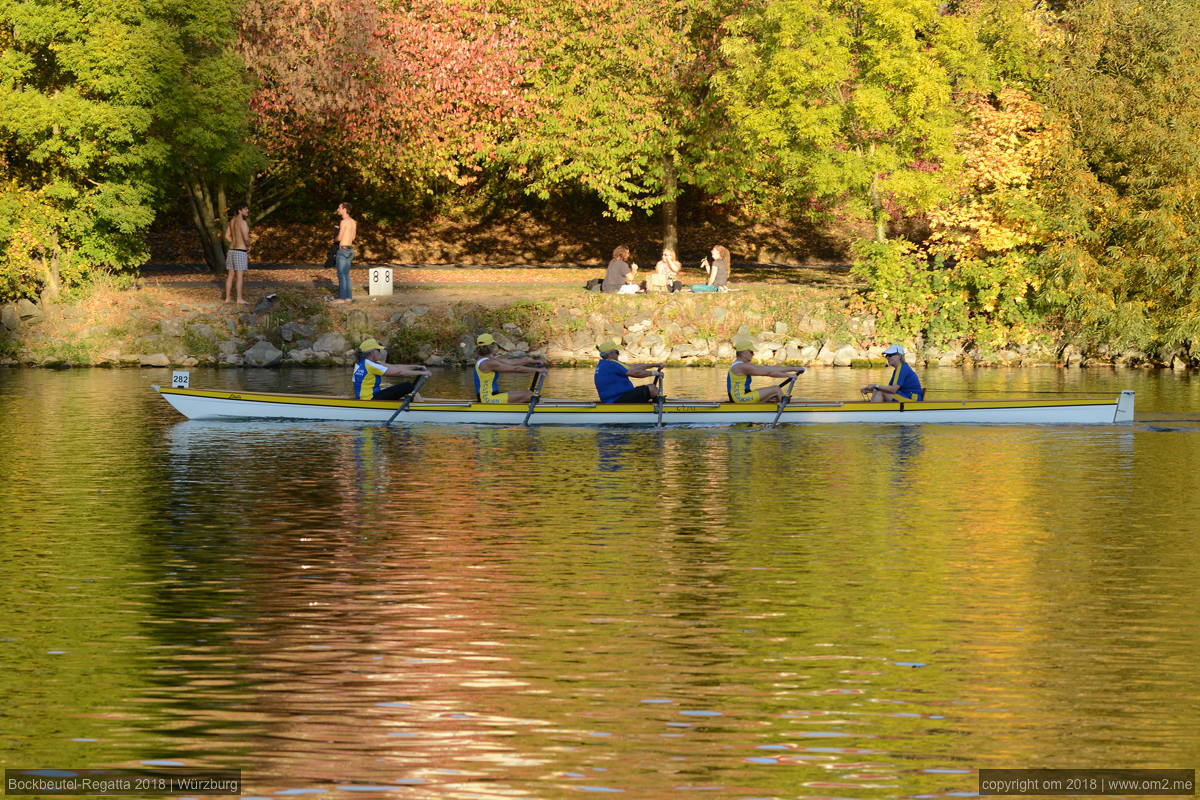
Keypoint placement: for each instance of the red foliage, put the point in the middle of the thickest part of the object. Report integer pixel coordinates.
(387, 90)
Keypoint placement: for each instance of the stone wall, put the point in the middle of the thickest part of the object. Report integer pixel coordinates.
(686, 330)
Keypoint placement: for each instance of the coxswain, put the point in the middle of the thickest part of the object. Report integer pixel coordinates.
(903, 385)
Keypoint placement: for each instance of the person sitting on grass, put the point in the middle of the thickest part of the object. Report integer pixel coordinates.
(621, 276)
(612, 378)
(716, 272)
(370, 369)
(739, 390)
(665, 277)
(487, 367)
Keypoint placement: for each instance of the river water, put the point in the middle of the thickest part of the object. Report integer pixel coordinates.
(437, 612)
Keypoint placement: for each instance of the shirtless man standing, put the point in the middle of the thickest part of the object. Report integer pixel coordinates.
(237, 257)
(347, 230)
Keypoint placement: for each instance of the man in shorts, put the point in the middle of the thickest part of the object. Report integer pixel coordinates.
(237, 257)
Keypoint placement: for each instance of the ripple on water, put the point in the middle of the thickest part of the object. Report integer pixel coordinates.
(510, 613)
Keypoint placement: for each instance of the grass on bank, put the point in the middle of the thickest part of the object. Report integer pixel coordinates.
(418, 319)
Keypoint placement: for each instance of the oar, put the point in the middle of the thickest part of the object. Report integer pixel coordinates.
(659, 400)
(408, 398)
(784, 400)
(536, 387)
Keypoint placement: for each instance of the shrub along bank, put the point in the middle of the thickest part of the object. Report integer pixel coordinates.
(437, 325)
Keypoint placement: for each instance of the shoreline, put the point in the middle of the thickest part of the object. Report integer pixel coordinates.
(171, 316)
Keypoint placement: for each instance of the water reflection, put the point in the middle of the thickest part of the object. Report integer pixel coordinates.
(495, 613)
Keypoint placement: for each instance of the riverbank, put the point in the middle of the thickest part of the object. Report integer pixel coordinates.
(172, 317)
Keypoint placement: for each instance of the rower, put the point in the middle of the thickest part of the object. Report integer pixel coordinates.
(487, 381)
(370, 369)
(903, 385)
(612, 378)
(739, 390)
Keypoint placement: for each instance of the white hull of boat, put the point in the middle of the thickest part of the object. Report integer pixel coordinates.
(201, 404)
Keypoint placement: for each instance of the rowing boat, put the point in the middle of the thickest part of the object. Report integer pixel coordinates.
(203, 404)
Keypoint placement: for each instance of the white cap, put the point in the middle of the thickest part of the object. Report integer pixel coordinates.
(894, 350)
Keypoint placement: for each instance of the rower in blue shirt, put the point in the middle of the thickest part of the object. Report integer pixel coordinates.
(612, 378)
(904, 385)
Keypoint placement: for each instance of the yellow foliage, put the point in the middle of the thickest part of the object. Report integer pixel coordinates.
(1006, 145)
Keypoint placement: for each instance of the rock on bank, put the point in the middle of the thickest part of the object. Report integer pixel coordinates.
(792, 325)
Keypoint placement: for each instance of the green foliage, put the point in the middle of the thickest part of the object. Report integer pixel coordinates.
(1015, 35)
(916, 295)
(8, 345)
(196, 343)
(988, 234)
(434, 331)
(901, 289)
(75, 353)
(849, 101)
(620, 102)
(99, 281)
(533, 318)
(1122, 262)
(302, 304)
(99, 103)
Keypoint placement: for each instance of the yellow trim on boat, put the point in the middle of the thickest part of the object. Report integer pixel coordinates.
(675, 407)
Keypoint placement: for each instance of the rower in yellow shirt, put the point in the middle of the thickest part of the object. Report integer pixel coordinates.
(370, 368)
(737, 382)
(487, 365)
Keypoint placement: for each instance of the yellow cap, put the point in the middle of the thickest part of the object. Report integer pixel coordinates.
(484, 338)
(368, 345)
(607, 346)
(743, 343)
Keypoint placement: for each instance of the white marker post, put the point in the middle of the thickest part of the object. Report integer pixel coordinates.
(380, 281)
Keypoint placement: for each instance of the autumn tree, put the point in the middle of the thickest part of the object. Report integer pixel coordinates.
(621, 104)
(377, 93)
(1122, 264)
(977, 273)
(849, 101)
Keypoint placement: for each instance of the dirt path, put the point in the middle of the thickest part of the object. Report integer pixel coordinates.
(195, 284)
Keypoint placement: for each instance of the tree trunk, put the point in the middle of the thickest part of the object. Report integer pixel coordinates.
(208, 213)
(268, 191)
(670, 206)
(877, 210)
(52, 290)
